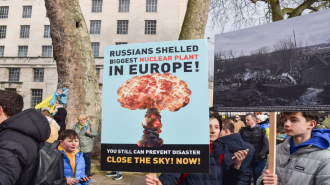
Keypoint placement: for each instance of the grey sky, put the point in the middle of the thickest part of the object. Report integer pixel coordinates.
(312, 28)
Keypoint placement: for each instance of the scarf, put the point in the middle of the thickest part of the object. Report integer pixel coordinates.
(82, 125)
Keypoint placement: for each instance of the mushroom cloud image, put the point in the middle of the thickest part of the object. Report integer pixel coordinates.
(154, 92)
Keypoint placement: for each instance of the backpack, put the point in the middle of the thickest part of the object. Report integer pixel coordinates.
(50, 167)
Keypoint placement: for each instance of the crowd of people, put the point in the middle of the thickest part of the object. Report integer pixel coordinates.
(238, 150)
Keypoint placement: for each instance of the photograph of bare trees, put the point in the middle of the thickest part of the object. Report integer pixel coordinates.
(280, 66)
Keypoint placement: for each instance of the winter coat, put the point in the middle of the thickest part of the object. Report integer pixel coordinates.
(18, 151)
(234, 143)
(80, 167)
(53, 134)
(219, 174)
(258, 138)
(86, 141)
(60, 117)
(309, 165)
(238, 125)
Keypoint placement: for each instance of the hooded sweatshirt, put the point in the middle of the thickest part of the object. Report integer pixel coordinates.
(18, 150)
(320, 138)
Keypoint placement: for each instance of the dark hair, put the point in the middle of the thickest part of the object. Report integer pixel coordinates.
(280, 130)
(309, 116)
(252, 115)
(216, 116)
(11, 102)
(228, 124)
(68, 134)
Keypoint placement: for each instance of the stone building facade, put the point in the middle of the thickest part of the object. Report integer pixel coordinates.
(26, 61)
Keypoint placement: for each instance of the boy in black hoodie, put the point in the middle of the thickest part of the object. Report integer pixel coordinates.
(18, 151)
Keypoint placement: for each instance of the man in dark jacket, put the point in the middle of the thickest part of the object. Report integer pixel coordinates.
(234, 143)
(18, 151)
(257, 137)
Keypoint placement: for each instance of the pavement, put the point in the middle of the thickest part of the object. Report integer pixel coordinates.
(129, 178)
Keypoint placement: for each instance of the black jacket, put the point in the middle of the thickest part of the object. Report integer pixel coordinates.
(18, 152)
(257, 137)
(224, 174)
(234, 143)
(59, 117)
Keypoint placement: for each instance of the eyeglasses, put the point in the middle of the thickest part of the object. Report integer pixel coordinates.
(236, 117)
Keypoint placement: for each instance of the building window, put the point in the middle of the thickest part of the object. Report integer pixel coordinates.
(96, 48)
(36, 97)
(27, 11)
(150, 27)
(98, 72)
(123, 6)
(95, 27)
(4, 12)
(121, 43)
(97, 5)
(10, 89)
(47, 31)
(3, 30)
(22, 51)
(38, 75)
(2, 50)
(46, 14)
(25, 31)
(151, 5)
(122, 27)
(47, 51)
(14, 74)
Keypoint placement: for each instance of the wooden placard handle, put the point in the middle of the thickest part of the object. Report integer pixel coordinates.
(272, 142)
(153, 175)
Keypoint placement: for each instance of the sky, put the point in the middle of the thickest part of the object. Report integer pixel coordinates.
(311, 28)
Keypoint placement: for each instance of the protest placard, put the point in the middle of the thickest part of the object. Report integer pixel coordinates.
(280, 66)
(155, 108)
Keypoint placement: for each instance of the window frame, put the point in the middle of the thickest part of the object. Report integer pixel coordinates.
(36, 99)
(2, 51)
(148, 28)
(94, 26)
(96, 47)
(123, 5)
(120, 27)
(27, 12)
(38, 74)
(22, 49)
(45, 51)
(47, 32)
(3, 12)
(23, 34)
(3, 31)
(13, 76)
(97, 6)
(151, 5)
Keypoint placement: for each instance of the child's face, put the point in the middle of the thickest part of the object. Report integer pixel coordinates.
(296, 125)
(70, 144)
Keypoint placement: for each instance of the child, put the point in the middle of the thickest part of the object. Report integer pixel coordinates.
(86, 132)
(74, 163)
(54, 127)
(304, 157)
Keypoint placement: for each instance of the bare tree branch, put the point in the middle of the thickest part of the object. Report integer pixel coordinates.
(297, 11)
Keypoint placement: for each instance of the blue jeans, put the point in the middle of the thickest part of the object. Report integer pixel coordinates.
(118, 172)
(87, 157)
(258, 170)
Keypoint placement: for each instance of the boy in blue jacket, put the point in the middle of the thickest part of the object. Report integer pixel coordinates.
(74, 163)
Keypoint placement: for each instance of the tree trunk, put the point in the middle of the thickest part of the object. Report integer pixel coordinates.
(75, 63)
(195, 20)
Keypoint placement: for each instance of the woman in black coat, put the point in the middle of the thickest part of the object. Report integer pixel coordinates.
(60, 117)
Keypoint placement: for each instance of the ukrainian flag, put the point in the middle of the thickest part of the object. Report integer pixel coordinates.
(49, 101)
